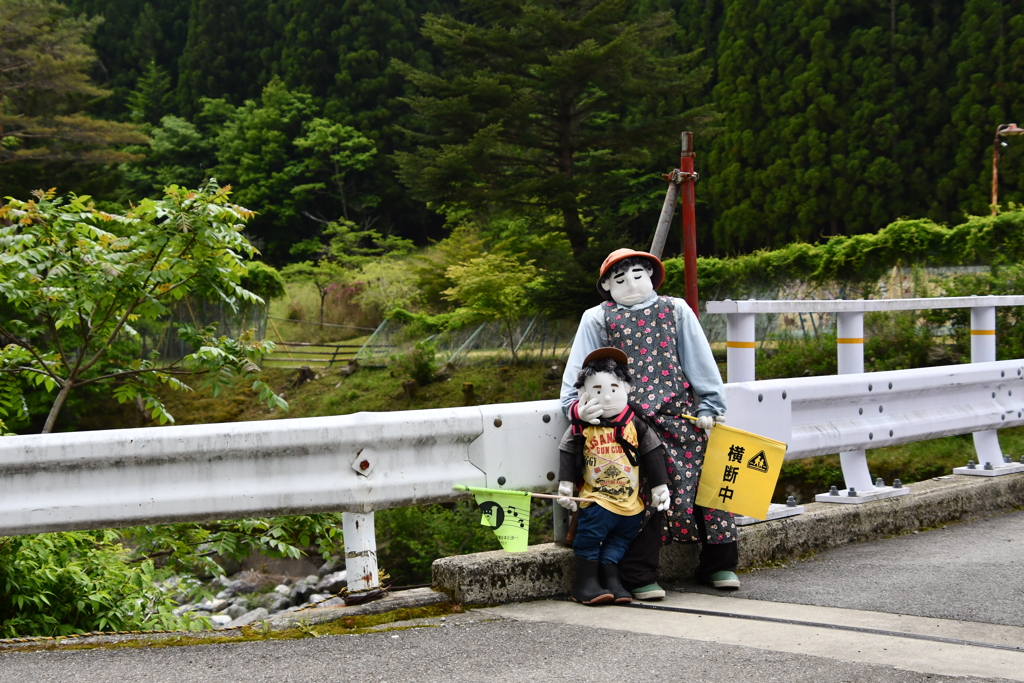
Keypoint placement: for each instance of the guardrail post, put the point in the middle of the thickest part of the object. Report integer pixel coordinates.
(850, 352)
(986, 444)
(739, 347)
(360, 551)
(856, 475)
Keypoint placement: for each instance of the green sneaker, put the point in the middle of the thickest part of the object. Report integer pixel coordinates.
(724, 580)
(651, 591)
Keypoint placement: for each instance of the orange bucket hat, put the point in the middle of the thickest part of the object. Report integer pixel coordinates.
(657, 278)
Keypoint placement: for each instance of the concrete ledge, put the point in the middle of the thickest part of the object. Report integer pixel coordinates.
(417, 597)
(546, 570)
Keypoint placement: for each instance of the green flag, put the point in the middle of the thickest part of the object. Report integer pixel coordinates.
(506, 512)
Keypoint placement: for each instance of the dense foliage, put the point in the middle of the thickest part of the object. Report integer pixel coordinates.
(831, 118)
(78, 281)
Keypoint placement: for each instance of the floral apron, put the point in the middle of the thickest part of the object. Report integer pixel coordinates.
(662, 394)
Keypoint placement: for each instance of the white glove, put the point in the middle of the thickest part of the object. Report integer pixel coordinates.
(590, 409)
(565, 489)
(706, 422)
(660, 497)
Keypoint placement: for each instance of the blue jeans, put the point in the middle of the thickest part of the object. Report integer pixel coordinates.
(603, 535)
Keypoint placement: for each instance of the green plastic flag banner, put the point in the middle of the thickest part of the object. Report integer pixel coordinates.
(506, 512)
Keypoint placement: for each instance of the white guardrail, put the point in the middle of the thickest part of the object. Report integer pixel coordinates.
(370, 461)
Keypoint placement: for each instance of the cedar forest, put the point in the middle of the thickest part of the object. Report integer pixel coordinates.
(814, 118)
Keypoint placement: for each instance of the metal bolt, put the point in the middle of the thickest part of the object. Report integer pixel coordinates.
(879, 483)
(970, 465)
(364, 464)
(897, 484)
(852, 493)
(833, 491)
(791, 502)
(501, 481)
(1022, 459)
(988, 466)
(1006, 458)
(497, 422)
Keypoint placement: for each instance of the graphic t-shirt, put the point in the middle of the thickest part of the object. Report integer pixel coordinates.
(608, 478)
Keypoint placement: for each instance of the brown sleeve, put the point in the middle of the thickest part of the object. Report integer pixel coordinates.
(652, 454)
(570, 457)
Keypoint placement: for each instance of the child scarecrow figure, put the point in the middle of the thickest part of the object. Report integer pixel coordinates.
(674, 374)
(612, 456)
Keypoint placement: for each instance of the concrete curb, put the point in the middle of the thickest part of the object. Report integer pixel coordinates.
(546, 570)
(417, 597)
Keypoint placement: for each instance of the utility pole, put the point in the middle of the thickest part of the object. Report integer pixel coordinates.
(681, 181)
(689, 180)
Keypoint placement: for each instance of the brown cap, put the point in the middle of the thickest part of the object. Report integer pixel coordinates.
(607, 352)
(657, 277)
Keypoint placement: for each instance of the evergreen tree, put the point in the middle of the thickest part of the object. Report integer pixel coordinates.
(232, 51)
(543, 105)
(151, 98)
(43, 90)
(829, 118)
(134, 34)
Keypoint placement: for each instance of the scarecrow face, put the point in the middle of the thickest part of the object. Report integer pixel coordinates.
(611, 392)
(630, 286)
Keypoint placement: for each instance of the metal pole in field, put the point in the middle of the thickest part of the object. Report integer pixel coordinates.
(689, 179)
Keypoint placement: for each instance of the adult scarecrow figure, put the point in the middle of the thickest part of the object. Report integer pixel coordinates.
(674, 374)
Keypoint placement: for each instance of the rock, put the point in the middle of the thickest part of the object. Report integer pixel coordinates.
(280, 604)
(301, 591)
(245, 583)
(317, 597)
(178, 611)
(336, 563)
(219, 620)
(282, 589)
(248, 618)
(219, 605)
(332, 583)
(236, 610)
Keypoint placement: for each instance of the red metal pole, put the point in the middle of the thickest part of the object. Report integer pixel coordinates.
(689, 222)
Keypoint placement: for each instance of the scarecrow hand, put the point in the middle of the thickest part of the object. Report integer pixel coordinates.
(590, 409)
(706, 422)
(565, 489)
(660, 497)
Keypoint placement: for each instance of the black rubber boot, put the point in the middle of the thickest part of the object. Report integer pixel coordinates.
(609, 577)
(585, 588)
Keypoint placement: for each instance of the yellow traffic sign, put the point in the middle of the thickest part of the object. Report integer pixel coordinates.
(740, 472)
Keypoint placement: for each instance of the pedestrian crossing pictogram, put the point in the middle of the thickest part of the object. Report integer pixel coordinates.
(759, 462)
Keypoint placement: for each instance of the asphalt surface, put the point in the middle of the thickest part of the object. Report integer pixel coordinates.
(962, 582)
(969, 572)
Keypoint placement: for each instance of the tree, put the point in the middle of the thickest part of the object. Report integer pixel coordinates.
(543, 105)
(79, 279)
(495, 287)
(151, 98)
(44, 87)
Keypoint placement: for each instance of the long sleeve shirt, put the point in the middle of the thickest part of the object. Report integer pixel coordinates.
(695, 357)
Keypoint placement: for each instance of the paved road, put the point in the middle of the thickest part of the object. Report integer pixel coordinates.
(948, 594)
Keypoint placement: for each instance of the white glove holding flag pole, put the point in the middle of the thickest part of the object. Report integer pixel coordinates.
(706, 422)
(565, 489)
(590, 409)
(660, 497)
